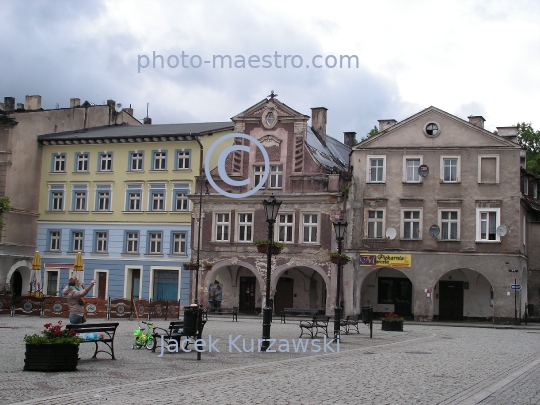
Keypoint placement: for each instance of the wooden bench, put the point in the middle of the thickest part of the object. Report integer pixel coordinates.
(176, 332)
(219, 311)
(351, 321)
(106, 331)
(298, 312)
(318, 324)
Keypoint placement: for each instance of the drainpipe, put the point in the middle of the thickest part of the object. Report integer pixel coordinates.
(196, 299)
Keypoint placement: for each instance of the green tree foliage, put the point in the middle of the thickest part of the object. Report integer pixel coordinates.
(529, 139)
(4, 207)
(373, 131)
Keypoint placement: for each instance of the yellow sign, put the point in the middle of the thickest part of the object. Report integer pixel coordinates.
(385, 260)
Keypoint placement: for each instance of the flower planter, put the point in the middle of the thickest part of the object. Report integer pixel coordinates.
(337, 259)
(264, 249)
(208, 268)
(392, 326)
(51, 357)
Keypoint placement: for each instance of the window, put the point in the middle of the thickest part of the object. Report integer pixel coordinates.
(133, 197)
(524, 227)
(56, 197)
(58, 163)
(450, 170)
(180, 197)
(276, 176)
(132, 242)
(79, 199)
(375, 224)
(81, 161)
(165, 285)
(105, 160)
(488, 169)
(222, 227)
(411, 224)
(54, 241)
(285, 228)
(310, 225)
(103, 197)
(157, 197)
(100, 241)
(487, 221)
(77, 239)
(376, 169)
(258, 174)
(410, 170)
(525, 185)
(183, 159)
(449, 223)
(245, 227)
(394, 290)
(432, 129)
(179, 243)
(159, 160)
(535, 190)
(154, 242)
(51, 282)
(135, 161)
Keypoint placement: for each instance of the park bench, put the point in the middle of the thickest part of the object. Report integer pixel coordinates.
(175, 332)
(219, 311)
(318, 324)
(105, 332)
(298, 312)
(351, 321)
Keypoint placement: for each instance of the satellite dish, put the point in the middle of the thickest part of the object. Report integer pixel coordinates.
(118, 107)
(423, 170)
(391, 233)
(434, 230)
(501, 230)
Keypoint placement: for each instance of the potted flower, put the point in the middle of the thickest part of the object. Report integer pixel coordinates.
(54, 349)
(207, 266)
(262, 246)
(191, 266)
(393, 322)
(338, 258)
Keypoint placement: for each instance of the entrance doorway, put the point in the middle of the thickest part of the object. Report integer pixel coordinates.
(102, 284)
(283, 298)
(451, 300)
(247, 294)
(16, 283)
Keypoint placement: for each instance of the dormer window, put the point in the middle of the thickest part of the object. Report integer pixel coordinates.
(271, 119)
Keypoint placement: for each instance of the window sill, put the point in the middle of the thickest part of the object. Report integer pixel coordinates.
(81, 172)
(178, 255)
(156, 212)
(383, 183)
(57, 172)
(132, 212)
(105, 172)
(487, 241)
(449, 240)
(489, 184)
(158, 171)
(154, 254)
(55, 212)
(449, 182)
(134, 171)
(412, 183)
(74, 252)
(375, 240)
(130, 254)
(410, 240)
(78, 212)
(52, 251)
(102, 212)
(182, 170)
(99, 253)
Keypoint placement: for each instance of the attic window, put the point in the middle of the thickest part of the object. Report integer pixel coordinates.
(432, 129)
(271, 119)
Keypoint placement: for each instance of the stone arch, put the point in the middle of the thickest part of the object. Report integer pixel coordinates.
(23, 266)
(210, 275)
(279, 270)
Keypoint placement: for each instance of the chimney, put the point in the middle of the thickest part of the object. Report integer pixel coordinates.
(509, 133)
(318, 122)
(384, 124)
(20, 107)
(74, 102)
(9, 104)
(147, 121)
(129, 110)
(349, 138)
(32, 103)
(477, 120)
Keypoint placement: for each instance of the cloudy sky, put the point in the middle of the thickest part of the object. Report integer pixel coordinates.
(465, 57)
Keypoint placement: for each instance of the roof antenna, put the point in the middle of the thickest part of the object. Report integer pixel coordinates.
(147, 120)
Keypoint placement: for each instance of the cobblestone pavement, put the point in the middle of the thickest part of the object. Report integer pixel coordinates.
(425, 364)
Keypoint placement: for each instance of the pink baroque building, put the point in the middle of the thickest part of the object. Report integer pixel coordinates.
(308, 173)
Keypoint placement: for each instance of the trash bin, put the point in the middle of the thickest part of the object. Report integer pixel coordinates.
(367, 314)
(530, 309)
(190, 319)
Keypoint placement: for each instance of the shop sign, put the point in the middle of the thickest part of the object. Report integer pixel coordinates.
(385, 260)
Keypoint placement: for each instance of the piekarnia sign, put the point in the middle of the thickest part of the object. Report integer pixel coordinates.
(385, 260)
(239, 345)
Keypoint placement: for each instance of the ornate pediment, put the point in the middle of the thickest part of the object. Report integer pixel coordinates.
(269, 140)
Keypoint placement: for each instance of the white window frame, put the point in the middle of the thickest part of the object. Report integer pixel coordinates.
(450, 221)
(375, 220)
(55, 237)
(182, 199)
(458, 169)
(258, 174)
(170, 268)
(223, 223)
(276, 176)
(105, 162)
(286, 225)
(101, 244)
(132, 242)
(182, 159)
(74, 239)
(46, 280)
(136, 190)
(405, 172)
(480, 157)
(128, 273)
(418, 220)
(246, 225)
(136, 161)
(179, 238)
(59, 163)
(155, 243)
(80, 200)
(479, 211)
(96, 287)
(159, 160)
(369, 158)
(309, 226)
(82, 159)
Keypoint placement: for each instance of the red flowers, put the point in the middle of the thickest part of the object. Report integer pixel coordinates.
(393, 317)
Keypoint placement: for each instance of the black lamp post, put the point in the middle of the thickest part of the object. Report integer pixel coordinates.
(339, 227)
(271, 208)
(205, 182)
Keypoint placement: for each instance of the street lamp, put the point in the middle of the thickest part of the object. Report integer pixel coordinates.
(271, 208)
(339, 227)
(205, 182)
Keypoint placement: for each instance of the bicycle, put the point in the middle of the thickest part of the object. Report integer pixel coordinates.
(144, 337)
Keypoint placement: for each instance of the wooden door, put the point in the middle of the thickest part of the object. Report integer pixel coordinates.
(135, 283)
(284, 295)
(247, 294)
(451, 300)
(102, 284)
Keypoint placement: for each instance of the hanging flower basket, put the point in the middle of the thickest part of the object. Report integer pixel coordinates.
(338, 258)
(208, 266)
(191, 266)
(262, 246)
